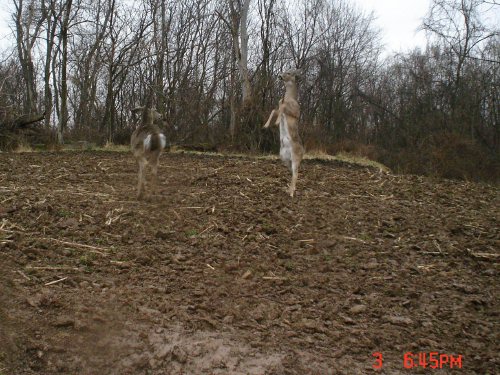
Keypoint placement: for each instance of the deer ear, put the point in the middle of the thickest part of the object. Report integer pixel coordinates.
(298, 72)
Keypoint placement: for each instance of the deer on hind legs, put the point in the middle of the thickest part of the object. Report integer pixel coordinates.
(286, 116)
(147, 143)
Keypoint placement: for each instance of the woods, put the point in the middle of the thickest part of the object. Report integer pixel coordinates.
(82, 65)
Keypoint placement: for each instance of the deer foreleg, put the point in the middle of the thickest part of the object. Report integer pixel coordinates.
(272, 116)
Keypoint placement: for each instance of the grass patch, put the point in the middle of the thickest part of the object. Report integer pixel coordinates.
(191, 233)
(111, 147)
(89, 146)
(327, 257)
(87, 260)
(289, 266)
(346, 158)
(23, 147)
(310, 155)
(64, 213)
(69, 147)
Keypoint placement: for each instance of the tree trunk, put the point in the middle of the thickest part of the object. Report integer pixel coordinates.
(246, 89)
(239, 18)
(51, 18)
(232, 101)
(25, 41)
(63, 121)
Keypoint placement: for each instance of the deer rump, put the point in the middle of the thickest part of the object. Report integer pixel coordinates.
(154, 142)
(147, 143)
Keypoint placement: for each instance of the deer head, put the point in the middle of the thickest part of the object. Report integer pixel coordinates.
(149, 115)
(291, 75)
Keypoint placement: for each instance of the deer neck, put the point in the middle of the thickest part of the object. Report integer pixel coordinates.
(291, 91)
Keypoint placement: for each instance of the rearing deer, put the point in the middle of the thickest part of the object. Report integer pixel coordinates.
(287, 117)
(147, 143)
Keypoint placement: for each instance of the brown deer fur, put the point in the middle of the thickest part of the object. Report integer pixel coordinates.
(287, 117)
(147, 143)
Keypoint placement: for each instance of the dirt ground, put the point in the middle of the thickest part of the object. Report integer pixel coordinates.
(221, 272)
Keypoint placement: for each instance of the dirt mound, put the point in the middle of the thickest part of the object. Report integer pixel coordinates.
(221, 272)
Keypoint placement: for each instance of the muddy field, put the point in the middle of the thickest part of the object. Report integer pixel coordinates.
(221, 272)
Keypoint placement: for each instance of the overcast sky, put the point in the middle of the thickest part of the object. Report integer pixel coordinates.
(4, 18)
(398, 20)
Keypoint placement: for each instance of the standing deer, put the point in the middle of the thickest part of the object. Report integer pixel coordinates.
(147, 143)
(287, 117)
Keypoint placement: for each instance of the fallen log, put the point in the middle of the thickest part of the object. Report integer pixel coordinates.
(22, 121)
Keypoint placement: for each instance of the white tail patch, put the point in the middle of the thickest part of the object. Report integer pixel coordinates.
(163, 140)
(147, 143)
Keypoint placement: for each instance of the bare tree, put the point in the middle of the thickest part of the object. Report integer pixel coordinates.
(28, 24)
(239, 31)
(88, 43)
(51, 14)
(346, 57)
(213, 66)
(300, 26)
(459, 26)
(63, 121)
(236, 20)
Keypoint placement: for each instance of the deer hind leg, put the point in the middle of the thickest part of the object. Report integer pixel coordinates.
(295, 176)
(296, 160)
(141, 184)
(154, 172)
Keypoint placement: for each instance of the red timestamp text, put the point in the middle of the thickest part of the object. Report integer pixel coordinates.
(432, 360)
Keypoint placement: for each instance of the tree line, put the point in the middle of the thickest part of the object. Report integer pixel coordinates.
(79, 66)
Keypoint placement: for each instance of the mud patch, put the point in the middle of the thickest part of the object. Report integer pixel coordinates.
(222, 273)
